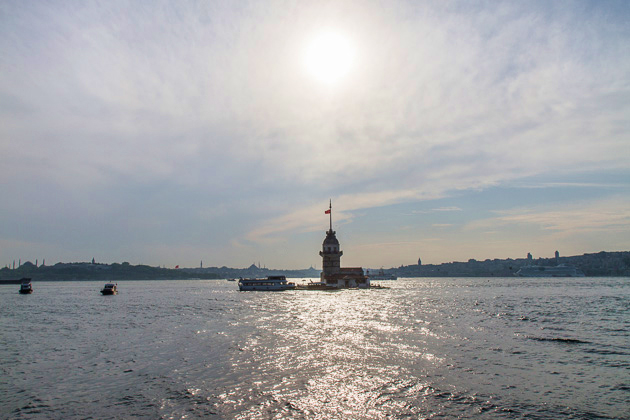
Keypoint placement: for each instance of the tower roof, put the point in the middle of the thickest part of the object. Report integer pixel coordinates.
(331, 238)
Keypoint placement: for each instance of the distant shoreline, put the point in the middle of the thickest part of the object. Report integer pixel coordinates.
(10, 281)
(601, 264)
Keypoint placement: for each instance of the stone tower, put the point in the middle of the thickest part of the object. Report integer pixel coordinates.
(557, 258)
(330, 253)
(331, 256)
(333, 275)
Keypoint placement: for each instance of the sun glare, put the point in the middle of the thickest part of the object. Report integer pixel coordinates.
(329, 57)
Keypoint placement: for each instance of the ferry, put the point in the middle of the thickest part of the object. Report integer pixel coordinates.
(271, 283)
(560, 270)
(26, 287)
(381, 275)
(110, 289)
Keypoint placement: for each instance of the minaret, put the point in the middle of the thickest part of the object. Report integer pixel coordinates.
(330, 253)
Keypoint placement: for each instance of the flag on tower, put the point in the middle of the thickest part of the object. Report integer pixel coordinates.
(327, 211)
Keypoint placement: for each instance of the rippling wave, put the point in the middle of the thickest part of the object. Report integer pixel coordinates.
(425, 348)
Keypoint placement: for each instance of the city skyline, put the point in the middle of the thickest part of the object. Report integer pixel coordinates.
(184, 131)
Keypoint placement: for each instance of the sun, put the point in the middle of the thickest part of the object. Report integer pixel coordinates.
(328, 57)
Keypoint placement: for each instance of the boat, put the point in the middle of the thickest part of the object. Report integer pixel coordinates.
(381, 275)
(317, 285)
(110, 289)
(26, 287)
(271, 283)
(560, 270)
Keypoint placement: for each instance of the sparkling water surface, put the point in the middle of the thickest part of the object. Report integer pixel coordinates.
(486, 348)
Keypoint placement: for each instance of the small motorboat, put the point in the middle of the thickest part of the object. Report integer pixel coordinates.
(110, 289)
(26, 287)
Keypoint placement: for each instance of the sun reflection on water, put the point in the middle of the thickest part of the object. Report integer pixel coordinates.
(335, 355)
(426, 348)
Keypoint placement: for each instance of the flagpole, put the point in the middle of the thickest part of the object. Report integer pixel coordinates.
(330, 208)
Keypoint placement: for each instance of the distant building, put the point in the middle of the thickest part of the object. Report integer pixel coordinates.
(419, 261)
(332, 273)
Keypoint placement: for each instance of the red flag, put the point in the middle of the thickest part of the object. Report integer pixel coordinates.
(327, 211)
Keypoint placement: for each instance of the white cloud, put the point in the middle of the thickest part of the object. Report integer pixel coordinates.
(211, 100)
(308, 218)
(609, 215)
(438, 210)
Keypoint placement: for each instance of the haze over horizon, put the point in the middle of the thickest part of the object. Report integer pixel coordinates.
(174, 132)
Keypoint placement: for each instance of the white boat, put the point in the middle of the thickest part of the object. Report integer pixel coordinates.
(560, 270)
(381, 275)
(271, 283)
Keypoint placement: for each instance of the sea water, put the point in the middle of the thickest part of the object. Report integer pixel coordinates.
(435, 348)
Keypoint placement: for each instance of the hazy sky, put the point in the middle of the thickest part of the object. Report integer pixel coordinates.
(167, 133)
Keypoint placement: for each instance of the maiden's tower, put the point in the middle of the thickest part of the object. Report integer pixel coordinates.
(333, 275)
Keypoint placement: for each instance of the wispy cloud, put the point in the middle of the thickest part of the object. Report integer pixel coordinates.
(437, 210)
(542, 185)
(308, 219)
(113, 110)
(609, 215)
